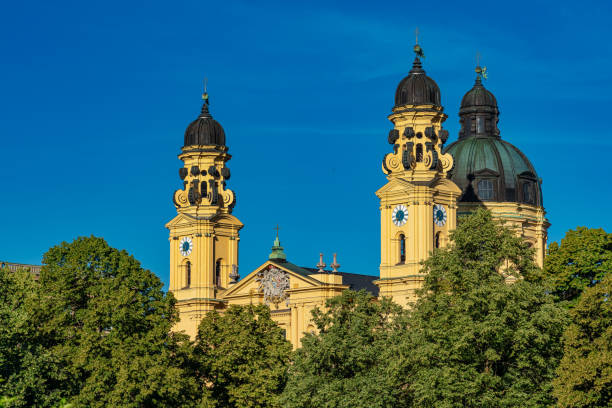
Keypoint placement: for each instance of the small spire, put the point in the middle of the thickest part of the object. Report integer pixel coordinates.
(205, 113)
(417, 48)
(481, 72)
(335, 265)
(321, 265)
(277, 253)
(205, 93)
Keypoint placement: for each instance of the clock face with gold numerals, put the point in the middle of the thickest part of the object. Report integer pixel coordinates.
(399, 215)
(186, 246)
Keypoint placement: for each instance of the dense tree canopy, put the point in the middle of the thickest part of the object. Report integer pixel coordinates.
(243, 358)
(18, 348)
(473, 340)
(346, 364)
(95, 331)
(99, 334)
(582, 260)
(585, 372)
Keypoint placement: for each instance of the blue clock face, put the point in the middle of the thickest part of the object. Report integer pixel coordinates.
(186, 246)
(439, 215)
(400, 215)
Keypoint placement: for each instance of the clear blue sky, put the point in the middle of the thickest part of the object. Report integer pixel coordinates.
(95, 97)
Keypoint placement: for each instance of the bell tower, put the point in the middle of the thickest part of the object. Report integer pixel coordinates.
(204, 235)
(418, 203)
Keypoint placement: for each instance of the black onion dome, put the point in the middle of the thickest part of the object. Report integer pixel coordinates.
(417, 88)
(204, 130)
(478, 99)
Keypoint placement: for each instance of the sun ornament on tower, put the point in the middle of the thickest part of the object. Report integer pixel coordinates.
(418, 203)
(204, 235)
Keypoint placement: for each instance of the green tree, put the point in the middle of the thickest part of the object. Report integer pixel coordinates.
(473, 338)
(243, 358)
(102, 335)
(18, 292)
(585, 372)
(582, 260)
(347, 363)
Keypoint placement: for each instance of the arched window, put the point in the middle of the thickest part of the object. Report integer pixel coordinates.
(485, 190)
(480, 125)
(419, 153)
(402, 248)
(527, 193)
(218, 273)
(188, 273)
(437, 243)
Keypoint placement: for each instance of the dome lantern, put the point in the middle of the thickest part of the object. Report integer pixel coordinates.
(479, 113)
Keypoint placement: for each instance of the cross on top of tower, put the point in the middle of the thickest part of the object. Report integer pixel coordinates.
(277, 228)
(205, 94)
(417, 48)
(481, 72)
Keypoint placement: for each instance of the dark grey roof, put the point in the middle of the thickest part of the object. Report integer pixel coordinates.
(417, 88)
(354, 281)
(204, 130)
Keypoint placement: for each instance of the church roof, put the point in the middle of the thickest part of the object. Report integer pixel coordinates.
(355, 281)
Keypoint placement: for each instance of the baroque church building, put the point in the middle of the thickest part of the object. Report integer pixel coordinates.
(428, 186)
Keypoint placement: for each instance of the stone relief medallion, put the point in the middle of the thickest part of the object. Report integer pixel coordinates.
(273, 283)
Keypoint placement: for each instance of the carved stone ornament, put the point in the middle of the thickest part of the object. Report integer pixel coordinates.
(273, 283)
(203, 188)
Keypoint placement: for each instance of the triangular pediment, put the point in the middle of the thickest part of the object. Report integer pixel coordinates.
(446, 185)
(184, 219)
(396, 185)
(486, 172)
(247, 286)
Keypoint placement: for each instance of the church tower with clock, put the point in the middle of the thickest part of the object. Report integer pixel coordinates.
(204, 235)
(418, 204)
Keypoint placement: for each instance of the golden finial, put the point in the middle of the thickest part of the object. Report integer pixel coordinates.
(480, 72)
(277, 229)
(205, 94)
(417, 48)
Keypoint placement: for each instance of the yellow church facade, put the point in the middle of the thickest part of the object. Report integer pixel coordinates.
(428, 186)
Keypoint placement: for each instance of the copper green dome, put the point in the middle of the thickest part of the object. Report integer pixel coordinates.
(487, 168)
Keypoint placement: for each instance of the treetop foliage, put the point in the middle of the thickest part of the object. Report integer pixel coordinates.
(243, 357)
(585, 372)
(582, 259)
(473, 339)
